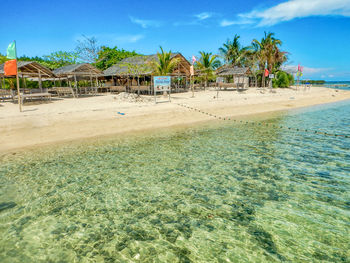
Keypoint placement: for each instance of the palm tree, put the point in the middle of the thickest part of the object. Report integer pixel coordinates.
(207, 63)
(233, 52)
(165, 63)
(268, 52)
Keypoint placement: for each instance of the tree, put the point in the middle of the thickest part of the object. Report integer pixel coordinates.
(207, 63)
(268, 52)
(2, 58)
(233, 52)
(107, 56)
(165, 63)
(60, 59)
(252, 61)
(87, 49)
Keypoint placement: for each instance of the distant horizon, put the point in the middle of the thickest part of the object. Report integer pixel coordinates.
(312, 32)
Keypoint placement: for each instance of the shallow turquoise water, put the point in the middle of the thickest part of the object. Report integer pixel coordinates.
(220, 193)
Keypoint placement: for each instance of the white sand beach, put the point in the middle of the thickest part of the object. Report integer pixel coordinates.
(70, 119)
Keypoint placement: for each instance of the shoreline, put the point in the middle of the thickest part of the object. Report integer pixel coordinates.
(75, 120)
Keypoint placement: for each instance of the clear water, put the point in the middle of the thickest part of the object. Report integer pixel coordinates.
(220, 193)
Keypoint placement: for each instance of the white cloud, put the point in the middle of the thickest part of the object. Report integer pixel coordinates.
(145, 23)
(292, 9)
(204, 15)
(306, 70)
(128, 38)
(197, 19)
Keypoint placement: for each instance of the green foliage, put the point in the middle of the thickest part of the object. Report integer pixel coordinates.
(60, 59)
(233, 52)
(282, 80)
(2, 58)
(165, 63)
(313, 81)
(54, 60)
(107, 56)
(207, 64)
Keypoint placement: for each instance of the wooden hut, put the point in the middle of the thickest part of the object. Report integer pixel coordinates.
(135, 71)
(240, 76)
(76, 72)
(29, 69)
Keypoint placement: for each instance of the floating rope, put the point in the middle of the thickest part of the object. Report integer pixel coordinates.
(264, 123)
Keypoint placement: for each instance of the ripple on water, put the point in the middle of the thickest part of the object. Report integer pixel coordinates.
(212, 194)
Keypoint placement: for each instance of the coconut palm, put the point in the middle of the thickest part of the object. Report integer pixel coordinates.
(233, 52)
(165, 63)
(207, 64)
(268, 52)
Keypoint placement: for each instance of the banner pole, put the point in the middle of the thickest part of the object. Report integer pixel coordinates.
(18, 90)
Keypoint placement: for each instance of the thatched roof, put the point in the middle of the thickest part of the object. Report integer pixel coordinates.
(139, 65)
(30, 69)
(230, 70)
(83, 69)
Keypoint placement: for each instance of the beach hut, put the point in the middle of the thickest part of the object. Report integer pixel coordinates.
(126, 74)
(76, 72)
(240, 76)
(29, 69)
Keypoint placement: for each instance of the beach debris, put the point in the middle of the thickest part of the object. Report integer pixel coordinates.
(121, 113)
(133, 98)
(292, 98)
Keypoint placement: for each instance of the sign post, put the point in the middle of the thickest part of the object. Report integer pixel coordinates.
(161, 84)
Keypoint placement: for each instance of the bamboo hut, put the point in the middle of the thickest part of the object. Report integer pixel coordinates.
(78, 72)
(28, 69)
(134, 73)
(240, 76)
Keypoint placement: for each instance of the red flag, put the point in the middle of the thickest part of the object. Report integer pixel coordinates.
(10, 67)
(266, 72)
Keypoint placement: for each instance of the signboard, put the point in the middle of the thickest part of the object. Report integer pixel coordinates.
(272, 76)
(161, 84)
(220, 80)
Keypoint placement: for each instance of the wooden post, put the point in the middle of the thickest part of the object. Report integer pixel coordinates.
(18, 90)
(40, 83)
(91, 79)
(75, 83)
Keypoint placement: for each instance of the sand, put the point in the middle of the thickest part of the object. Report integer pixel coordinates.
(69, 119)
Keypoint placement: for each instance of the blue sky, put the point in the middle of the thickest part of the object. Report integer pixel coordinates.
(316, 33)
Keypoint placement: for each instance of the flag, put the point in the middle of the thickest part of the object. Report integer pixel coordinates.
(193, 59)
(191, 70)
(299, 68)
(266, 72)
(11, 51)
(10, 67)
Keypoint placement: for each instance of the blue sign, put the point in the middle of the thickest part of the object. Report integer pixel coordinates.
(161, 83)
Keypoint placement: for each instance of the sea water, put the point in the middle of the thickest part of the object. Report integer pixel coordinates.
(217, 193)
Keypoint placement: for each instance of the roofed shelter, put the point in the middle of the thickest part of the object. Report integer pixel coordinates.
(139, 66)
(29, 69)
(78, 71)
(240, 75)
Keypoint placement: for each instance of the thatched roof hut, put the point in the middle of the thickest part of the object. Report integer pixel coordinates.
(230, 70)
(30, 69)
(83, 69)
(139, 66)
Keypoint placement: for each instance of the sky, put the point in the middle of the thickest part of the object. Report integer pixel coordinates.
(316, 33)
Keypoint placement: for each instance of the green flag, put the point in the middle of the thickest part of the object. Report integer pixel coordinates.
(11, 51)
